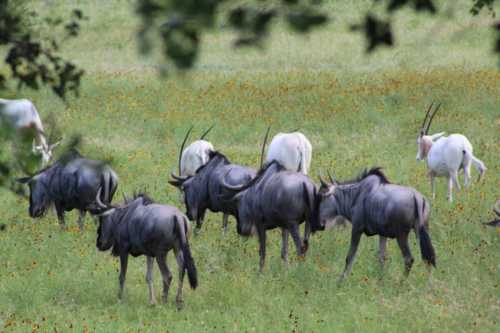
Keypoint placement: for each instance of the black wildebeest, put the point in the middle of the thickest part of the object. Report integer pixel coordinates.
(276, 197)
(204, 190)
(376, 207)
(70, 183)
(142, 227)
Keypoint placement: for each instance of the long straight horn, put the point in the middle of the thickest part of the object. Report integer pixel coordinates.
(206, 132)
(182, 146)
(422, 128)
(432, 117)
(264, 147)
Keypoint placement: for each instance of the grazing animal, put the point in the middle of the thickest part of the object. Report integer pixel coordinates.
(204, 189)
(292, 150)
(446, 155)
(142, 227)
(276, 197)
(195, 155)
(496, 210)
(22, 116)
(70, 183)
(376, 207)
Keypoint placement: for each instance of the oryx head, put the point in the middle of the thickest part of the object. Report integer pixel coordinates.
(45, 151)
(424, 140)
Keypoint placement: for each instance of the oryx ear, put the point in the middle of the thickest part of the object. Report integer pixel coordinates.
(24, 180)
(437, 136)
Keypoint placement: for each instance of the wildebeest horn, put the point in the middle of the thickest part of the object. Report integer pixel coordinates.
(432, 117)
(206, 132)
(179, 178)
(182, 147)
(496, 208)
(422, 128)
(98, 199)
(332, 180)
(264, 146)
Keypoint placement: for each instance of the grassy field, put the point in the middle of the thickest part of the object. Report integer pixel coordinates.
(358, 111)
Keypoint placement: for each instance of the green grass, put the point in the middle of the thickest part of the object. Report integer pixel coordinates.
(357, 111)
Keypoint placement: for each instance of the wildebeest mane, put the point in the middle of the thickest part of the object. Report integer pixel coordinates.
(375, 171)
(146, 199)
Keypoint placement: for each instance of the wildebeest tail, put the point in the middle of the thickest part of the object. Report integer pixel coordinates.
(189, 266)
(426, 248)
(311, 200)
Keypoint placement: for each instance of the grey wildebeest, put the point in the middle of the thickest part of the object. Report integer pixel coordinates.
(446, 155)
(292, 150)
(276, 197)
(21, 116)
(195, 155)
(70, 183)
(204, 190)
(143, 227)
(376, 207)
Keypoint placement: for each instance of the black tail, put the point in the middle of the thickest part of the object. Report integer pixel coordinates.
(189, 265)
(426, 248)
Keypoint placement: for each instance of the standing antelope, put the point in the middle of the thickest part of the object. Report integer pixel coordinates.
(292, 150)
(446, 155)
(21, 116)
(195, 155)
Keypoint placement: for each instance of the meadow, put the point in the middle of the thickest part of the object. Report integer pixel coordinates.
(358, 111)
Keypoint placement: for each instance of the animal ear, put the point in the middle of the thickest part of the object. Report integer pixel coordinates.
(437, 135)
(24, 180)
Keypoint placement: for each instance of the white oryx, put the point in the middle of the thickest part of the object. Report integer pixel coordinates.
(446, 155)
(292, 150)
(22, 116)
(195, 155)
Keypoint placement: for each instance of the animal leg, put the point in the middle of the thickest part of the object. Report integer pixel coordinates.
(294, 231)
(60, 217)
(81, 218)
(199, 223)
(262, 247)
(450, 189)
(355, 237)
(166, 275)
(284, 245)
(149, 279)
(382, 243)
(433, 186)
(467, 177)
(454, 177)
(225, 219)
(405, 250)
(180, 267)
(307, 234)
(123, 272)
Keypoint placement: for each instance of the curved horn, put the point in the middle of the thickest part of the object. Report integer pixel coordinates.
(98, 199)
(264, 146)
(182, 146)
(206, 132)
(322, 181)
(179, 178)
(496, 208)
(432, 117)
(124, 197)
(422, 127)
(332, 179)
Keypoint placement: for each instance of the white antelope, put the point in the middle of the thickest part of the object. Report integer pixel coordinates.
(195, 155)
(22, 116)
(292, 150)
(446, 155)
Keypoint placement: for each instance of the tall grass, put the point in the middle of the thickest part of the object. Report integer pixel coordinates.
(358, 112)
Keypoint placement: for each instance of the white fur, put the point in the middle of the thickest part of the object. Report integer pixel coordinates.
(446, 156)
(292, 150)
(194, 156)
(21, 114)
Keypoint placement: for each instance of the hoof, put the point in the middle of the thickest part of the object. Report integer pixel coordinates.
(179, 305)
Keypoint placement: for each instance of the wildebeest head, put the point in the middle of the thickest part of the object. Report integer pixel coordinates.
(328, 205)
(105, 238)
(39, 194)
(424, 140)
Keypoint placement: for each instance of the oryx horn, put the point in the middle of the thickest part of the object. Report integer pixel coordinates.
(422, 128)
(264, 146)
(432, 117)
(206, 132)
(182, 146)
